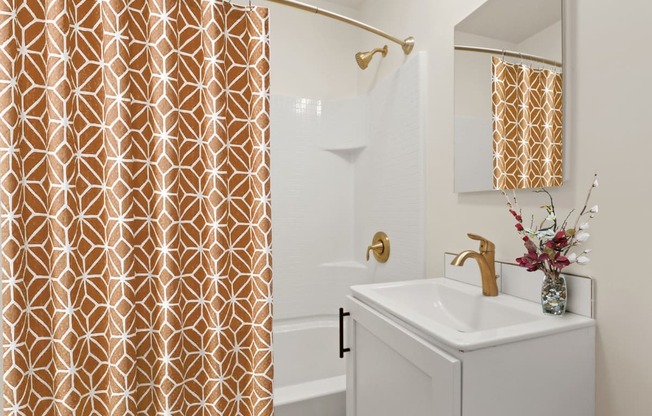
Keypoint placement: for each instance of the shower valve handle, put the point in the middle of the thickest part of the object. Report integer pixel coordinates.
(376, 248)
(380, 247)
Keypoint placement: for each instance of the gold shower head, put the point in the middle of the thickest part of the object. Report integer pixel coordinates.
(363, 58)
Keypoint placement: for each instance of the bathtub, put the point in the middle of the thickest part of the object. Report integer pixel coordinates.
(309, 376)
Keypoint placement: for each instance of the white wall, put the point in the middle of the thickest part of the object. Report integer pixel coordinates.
(312, 56)
(312, 201)
(610, 134)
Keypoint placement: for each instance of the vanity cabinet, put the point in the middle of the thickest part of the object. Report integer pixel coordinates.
(393, 370)
(390, 371)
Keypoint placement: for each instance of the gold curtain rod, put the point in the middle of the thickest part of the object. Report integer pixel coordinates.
(512, 54)
(407, 44)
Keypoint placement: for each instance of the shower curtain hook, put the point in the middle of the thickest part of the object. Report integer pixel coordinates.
(502, 57)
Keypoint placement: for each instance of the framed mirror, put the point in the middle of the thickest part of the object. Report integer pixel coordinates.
(509, 96)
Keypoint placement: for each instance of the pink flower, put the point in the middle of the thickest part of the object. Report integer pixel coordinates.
(559, 261)
(530, 246)
(558, 242)
(547, 243)
(531, 261)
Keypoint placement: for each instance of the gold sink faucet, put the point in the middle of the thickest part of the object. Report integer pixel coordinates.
(486, 261)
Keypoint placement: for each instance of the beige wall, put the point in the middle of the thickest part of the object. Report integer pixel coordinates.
(610, 133)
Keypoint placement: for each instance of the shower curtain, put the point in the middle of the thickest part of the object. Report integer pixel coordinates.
(527, 126)
(135, 208)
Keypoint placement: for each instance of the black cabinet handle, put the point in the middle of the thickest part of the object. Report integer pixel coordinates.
(342, 349)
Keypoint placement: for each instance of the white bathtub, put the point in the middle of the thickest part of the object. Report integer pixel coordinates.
(309, 376)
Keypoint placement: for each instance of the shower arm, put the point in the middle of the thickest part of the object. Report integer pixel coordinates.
(407, 45)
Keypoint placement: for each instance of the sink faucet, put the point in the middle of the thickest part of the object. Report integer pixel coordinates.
(486, 261)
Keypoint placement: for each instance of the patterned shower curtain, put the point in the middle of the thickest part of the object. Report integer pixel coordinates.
(527, 126)
(135, 208)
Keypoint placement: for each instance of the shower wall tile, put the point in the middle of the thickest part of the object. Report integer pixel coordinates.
(342, 170)
(312, 203)
(390, 175)
(347, 124)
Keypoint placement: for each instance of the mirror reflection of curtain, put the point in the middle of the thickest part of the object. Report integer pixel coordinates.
(527, 126)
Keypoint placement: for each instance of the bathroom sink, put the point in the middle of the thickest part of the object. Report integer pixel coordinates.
(458, 315)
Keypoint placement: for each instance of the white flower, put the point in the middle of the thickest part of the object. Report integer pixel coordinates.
(584, 226)
(594, 209)
(572, 257)
(583, 260)
(595, 183)
(551, 217)
(545, 235)
(582, 237)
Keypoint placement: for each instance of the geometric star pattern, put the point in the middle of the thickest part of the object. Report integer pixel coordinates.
(527, 126)
(135, 208)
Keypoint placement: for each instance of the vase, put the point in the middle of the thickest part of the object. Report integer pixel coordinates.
(554, 294)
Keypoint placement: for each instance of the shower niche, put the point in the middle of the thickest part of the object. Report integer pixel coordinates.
(343, 169)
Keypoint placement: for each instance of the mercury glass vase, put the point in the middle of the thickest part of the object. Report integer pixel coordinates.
(554, 294)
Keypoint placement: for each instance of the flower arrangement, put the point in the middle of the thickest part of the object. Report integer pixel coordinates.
(552, 245)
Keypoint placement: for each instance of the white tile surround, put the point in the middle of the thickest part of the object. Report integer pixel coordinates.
(516, 281)
(390, 175)
(341, 170)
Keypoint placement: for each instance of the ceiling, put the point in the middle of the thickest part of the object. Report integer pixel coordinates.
(511, 20)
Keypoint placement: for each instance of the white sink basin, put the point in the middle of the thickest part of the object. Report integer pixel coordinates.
(458, 315)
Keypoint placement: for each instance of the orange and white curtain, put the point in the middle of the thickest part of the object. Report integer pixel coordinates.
(135, 208)
(527, 126)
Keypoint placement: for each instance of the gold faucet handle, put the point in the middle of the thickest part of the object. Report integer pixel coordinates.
(376, 248)
(485, 245)
(380, 247)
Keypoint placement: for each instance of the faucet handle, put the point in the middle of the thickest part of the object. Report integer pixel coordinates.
(485, 245)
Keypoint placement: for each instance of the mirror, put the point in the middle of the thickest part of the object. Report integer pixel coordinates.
(508, 96)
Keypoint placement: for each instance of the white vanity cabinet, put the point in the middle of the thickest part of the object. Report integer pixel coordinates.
(390, 371)
(393, 369)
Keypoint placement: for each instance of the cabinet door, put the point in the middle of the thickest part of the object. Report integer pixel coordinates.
(392, 372)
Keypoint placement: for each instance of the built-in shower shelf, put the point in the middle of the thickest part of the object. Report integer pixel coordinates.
(348, 264)
(347, 153)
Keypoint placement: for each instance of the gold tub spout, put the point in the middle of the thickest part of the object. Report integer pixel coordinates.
(486, 261)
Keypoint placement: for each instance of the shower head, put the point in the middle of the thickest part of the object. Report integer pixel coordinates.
(363, 58)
